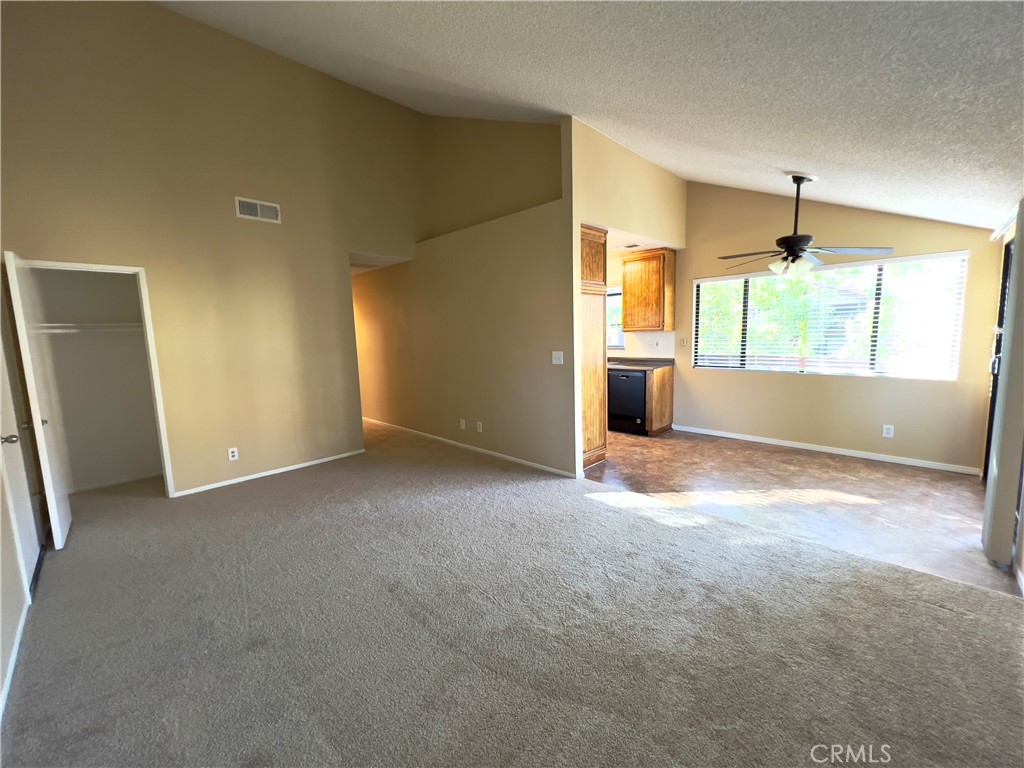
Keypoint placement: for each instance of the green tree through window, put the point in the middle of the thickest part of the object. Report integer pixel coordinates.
(898, 318)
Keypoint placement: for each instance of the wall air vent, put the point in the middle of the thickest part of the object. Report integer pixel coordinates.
(257, 209)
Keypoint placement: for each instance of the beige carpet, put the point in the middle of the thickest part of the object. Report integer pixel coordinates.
(422, 605)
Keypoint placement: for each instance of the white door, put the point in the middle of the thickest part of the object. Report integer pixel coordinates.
(45, 408)
(15, 479)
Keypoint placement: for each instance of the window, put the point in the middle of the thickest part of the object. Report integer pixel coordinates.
(616, 338)
(898, 317)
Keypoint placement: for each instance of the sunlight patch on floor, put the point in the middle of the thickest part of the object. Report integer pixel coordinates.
(664, 512)
(763, 498)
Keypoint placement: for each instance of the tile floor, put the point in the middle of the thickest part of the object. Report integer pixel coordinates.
(924, 519)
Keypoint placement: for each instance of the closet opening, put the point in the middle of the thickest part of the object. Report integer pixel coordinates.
(93, 387)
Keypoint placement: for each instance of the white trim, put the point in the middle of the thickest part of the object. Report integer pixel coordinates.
(9, 672)
(1020, 577)
(505, 456)
(267, 473)
(1003, 228)
(829, 449)
(80, 266)
(154, 381)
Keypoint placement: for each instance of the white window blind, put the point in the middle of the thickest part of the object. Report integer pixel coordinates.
(898, 317)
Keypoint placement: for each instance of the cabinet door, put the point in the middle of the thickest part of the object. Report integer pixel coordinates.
(595, 379)
(643, 293)
(593, 254)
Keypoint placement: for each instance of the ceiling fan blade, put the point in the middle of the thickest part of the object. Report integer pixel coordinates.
(854, 251)
(753, 253)
(811, 258)
(767, 255)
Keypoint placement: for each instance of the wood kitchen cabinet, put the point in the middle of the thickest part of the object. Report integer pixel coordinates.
(595, 371)
(593, 255)
(649, 290)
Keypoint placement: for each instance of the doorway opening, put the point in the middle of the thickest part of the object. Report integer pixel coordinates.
(86, 348)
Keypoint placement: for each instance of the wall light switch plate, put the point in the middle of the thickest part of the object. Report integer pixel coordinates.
(557, 358)
(888, 430)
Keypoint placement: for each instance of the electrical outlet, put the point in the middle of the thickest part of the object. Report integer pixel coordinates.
(557, 358)
(462, 423)
(479, 426)
(232, 454)
(888, 430)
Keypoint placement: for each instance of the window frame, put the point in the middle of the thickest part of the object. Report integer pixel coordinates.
(961, 255)
(612, 291)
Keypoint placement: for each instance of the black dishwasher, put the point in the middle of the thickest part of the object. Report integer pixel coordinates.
(627, 401)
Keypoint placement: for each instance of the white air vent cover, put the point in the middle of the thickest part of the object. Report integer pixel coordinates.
(257, 209)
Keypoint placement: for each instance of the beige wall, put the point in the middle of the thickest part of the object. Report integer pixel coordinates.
(12, 588)
(467, 328)
(127, 131)
(936, 421)
(478, 170)
(614, 187)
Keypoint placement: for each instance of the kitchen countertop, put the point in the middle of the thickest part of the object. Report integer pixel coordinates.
(639, 363)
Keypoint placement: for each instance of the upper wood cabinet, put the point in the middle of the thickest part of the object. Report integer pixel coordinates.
(593, 258)
(649, 290)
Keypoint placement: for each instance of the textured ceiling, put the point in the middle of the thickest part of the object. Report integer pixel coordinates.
(909, 107)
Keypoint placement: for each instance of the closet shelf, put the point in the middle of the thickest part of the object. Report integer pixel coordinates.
(83, 327)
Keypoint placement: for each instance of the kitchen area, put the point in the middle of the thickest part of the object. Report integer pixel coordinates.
(628, 296)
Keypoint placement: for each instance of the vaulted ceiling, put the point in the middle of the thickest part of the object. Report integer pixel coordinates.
(908, 107)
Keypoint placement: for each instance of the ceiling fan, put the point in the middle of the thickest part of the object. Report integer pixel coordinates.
(797, 255)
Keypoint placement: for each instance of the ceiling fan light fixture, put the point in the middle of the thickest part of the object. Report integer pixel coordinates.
(797, 247)
(801, 267)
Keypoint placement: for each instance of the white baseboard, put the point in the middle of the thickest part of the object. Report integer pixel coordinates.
(1020, 577)
(830, 449)
(504, 456)
(234, 480)
(9, 672)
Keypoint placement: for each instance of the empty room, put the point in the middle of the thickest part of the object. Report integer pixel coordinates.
(511, 383)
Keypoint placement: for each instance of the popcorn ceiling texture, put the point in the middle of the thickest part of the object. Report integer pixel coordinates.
(912, 108)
